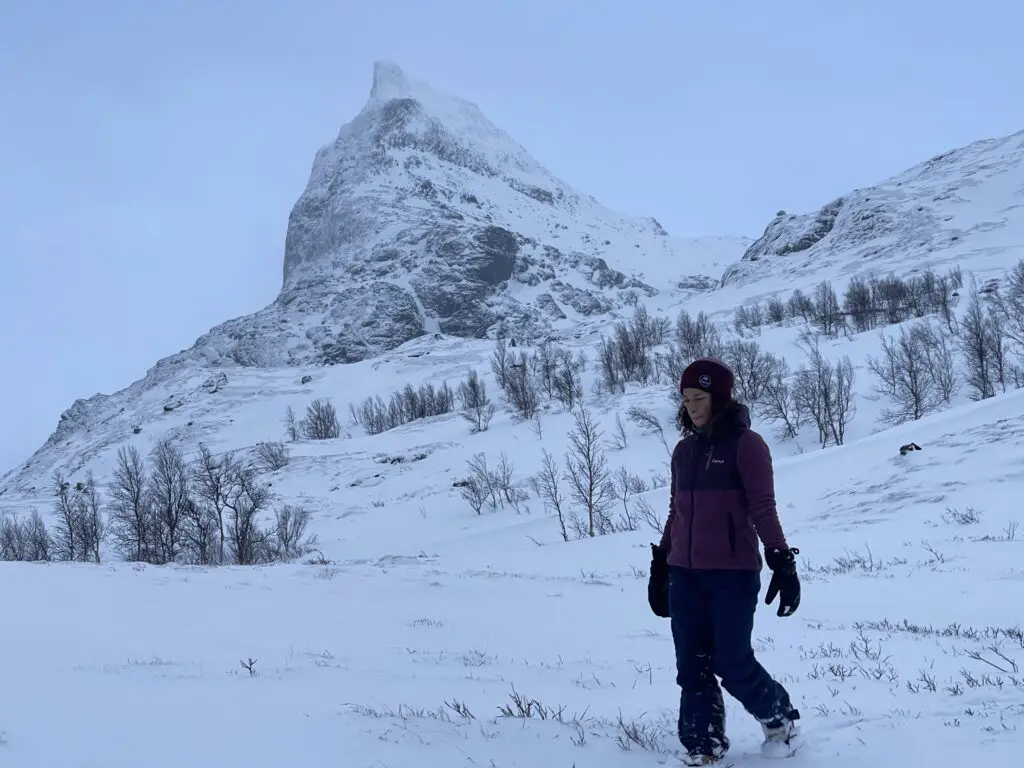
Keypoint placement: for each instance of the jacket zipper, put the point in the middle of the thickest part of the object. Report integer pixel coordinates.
(693, 500)
(728, 520)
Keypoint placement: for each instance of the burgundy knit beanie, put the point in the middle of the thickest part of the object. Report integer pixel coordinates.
(711, 375)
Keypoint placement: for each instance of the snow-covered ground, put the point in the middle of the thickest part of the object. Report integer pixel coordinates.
(412, 644)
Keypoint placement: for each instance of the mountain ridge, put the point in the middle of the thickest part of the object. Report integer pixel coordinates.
(935, 212)
(971, 200)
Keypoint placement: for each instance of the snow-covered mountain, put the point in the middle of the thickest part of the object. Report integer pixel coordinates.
(965, 206)
(464, 634)
(423, 216)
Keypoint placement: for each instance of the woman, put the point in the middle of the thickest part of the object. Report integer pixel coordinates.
(722, 502)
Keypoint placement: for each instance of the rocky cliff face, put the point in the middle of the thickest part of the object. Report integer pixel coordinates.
(423, 216)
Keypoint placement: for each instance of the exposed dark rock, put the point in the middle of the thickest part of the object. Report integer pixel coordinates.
(584, 302)
(546, 303)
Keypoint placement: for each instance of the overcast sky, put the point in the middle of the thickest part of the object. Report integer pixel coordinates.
(150, 152)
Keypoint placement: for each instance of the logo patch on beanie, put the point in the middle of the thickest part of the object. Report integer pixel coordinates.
(704, 380)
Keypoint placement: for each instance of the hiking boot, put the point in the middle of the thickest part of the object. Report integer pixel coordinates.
(779, 734)
(708, 753)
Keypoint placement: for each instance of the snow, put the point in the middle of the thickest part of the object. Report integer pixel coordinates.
(425, 606)
(460, 117)
(965, 206)
(421, 621)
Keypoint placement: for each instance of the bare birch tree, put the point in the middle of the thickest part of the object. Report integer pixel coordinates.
(586, 471)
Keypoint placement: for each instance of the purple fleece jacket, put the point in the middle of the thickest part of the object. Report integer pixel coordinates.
(723, 497)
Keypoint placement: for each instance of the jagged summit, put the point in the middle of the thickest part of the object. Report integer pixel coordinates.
(408, 134)
(391, 82)
(489, 149)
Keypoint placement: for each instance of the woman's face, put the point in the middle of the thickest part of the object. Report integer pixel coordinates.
(698, 405)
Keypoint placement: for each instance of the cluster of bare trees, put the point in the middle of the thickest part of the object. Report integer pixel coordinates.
(819, 392)
(917, 369)
(77, 532)
(406, 405)
(210, 511)
(991, 335)
(866, 304)
(646, 350)
(629, 355)
(489, 488)
(550, 373)
(25, 539)
(582, 492)
(320, 422)
(822, 393)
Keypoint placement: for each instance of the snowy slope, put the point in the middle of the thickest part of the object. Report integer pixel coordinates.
(965, 206)
(904, 650)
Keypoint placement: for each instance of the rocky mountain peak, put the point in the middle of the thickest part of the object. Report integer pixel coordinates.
(423, 216)
(420, 218)
(413, 140)
(391, 82)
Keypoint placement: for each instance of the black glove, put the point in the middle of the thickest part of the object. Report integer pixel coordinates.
(784, 581)
(657, 584)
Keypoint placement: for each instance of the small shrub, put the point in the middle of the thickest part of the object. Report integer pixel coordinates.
(288, 539)
(272, 456)
(628, 356)
(494, 488)
(321, 421)
(477, 407)
(649, 423)
(967, 516)
(521, 388)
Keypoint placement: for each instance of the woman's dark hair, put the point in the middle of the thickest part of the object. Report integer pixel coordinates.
(685, 425)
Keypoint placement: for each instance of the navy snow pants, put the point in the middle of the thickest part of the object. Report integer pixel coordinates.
(712, 614)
